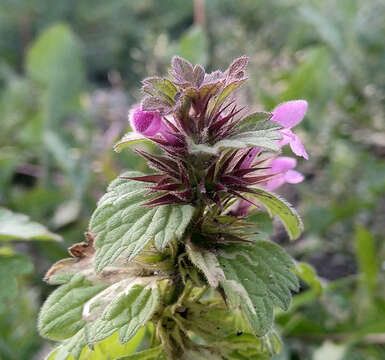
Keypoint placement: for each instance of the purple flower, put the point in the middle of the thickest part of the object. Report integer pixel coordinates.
(283, 168)
(149, 124)
(288, 115)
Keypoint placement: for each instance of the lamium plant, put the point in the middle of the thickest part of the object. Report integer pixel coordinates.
(177, 263)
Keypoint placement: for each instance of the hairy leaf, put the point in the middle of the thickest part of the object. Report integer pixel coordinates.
(130, 139)
(262, 134)
(226, 92)
(254, 121)
(247, 346)
(258, 277)
(262, 225)
(160, 87)
(109, 348)
(14, 226)
(70, 349)
(198, 354)
(155, 353)
(277, 206)
(125, 227)
(127, 312)
(207, 262)
(61, 314)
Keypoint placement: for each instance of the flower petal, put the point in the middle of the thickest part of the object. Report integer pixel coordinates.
(290, 113)
(286, 136)
(283, 164)
(166, 133)
(146, 123)
(297, 147)
(275, 183)
(293, 177)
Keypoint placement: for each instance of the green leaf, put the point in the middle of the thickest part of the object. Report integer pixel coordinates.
(262, 134)
(278, 206)
(54, 62)
(366, 256)
(247, 346)
(130, 139)
(258, 277)
(111, 348)
(253, 121)
(263, 228)
(125, 227)
(70, 349)
(226, 92)
(11, 265)
(160, 87)
(308, 274)
(61, 314)
(193, 45)
(127, 312)
(15, 226)
(155, 353)
(199, 354)
(207, 262)
(75, 348)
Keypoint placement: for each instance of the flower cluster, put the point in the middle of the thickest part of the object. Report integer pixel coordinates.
(208, 147)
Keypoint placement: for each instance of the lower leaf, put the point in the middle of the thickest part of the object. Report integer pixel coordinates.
(260, 277)
(127, 313)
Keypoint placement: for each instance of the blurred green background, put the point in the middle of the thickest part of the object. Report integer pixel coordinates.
(70, 71)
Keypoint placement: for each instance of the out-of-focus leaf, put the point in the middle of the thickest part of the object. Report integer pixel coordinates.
(308, 81)
(66, 213)
(54, 61)
(366, 256)
(329, 351)
(308, 274)
(193, 46)
(11, 265)
(14, 226)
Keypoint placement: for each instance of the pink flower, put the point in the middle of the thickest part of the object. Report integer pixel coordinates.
(283, 168)
(288, 115)
(149, 123)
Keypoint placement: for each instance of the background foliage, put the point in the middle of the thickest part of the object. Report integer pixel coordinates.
(70, 71)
